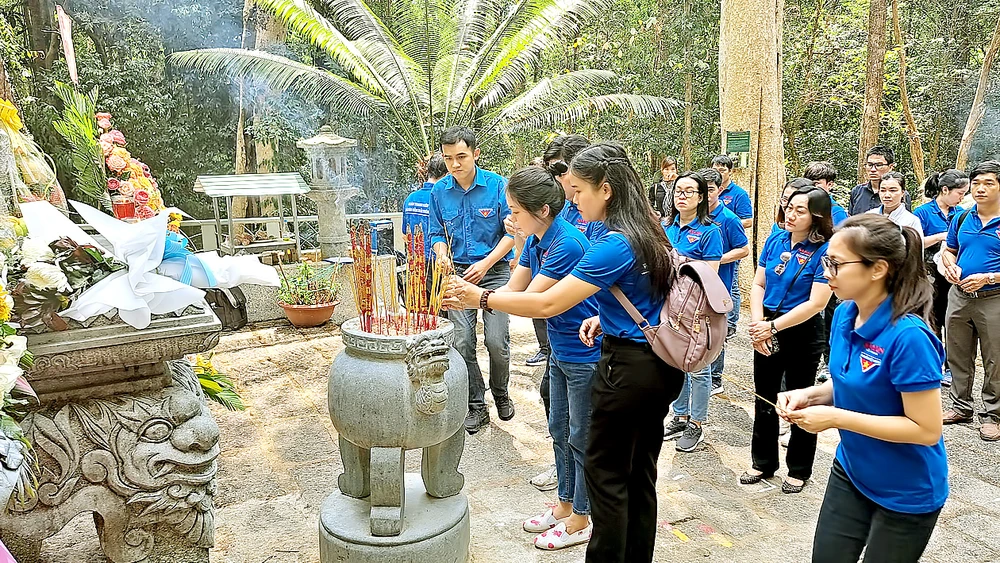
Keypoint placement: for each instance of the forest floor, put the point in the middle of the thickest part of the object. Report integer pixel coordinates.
(279, 461)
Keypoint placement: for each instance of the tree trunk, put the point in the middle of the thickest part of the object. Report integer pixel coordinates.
(794, 122)
(978, 109)
(245, 161)
(6, 90)
(43, 36)
(873, 84)
(753, 59)
(916, 147)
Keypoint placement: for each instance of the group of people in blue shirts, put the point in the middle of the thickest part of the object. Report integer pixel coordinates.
(587, 226)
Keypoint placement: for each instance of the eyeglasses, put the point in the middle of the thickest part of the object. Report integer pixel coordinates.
(833, 267)
(876, 164)
(685, 194)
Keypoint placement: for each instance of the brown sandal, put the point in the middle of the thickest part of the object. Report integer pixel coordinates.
(951, 416)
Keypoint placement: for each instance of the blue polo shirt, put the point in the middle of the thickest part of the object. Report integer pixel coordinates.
(611, 261)
(837, 213)
(571, 213)
(554, 256)
(737, 200)
(695, 240)
(807, 255)
(871, 367)
(472, 219)
(733, 236)
(775, 228)
(932, 220)
(415, 213)
(978, 245)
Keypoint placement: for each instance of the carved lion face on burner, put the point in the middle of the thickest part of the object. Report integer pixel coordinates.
(426, 364)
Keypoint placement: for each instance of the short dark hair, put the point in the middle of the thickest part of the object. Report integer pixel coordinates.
(565, 147)
(723, 160)
(452, 135)
(897, 176)
(986, 167)
(668, 161)
(821, 210)
(821, 170)
(890, 158)
(436, 167)
(712, 176)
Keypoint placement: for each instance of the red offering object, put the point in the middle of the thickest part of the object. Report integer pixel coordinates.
(123, 207)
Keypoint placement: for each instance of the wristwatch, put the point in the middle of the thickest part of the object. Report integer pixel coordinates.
(774, 329)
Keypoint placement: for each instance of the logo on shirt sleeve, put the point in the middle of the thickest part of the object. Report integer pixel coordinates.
(487, 212)
(871, 357)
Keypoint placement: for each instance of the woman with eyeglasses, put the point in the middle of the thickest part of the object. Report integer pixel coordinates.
(890, 477)
(891, 191)
(633, 388)
(694, 235)
(788, 294)
(786, 194)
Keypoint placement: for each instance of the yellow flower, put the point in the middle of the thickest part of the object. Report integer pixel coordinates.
(122, 154)
(6, 305)
(9, 116)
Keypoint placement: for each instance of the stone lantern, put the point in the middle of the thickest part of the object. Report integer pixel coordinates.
(330, 187)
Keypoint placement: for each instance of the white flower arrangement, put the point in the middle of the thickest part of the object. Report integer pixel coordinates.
(34, 251)
(43, 275)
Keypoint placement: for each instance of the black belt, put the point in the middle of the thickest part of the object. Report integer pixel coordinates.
(980, 294)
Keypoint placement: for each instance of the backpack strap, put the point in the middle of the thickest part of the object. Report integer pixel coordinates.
(961, 219)
(629, 307)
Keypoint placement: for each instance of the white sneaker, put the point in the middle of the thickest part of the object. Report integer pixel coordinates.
(559, 538)
(547, 480)
(541, 523)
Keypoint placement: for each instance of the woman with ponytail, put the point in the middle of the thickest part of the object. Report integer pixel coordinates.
(890, 477)
(946, 190)
(632, 388)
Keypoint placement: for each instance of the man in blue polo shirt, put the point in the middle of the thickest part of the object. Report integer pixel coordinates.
(415, 207)
(738, 201)
(466, 213)
(735, 245)
(971, 262)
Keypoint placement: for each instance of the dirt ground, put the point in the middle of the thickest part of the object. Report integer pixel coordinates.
(279, 461)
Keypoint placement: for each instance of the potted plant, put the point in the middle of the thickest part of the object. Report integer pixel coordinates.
(309, 296)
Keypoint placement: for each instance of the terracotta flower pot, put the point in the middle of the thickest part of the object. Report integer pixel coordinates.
(305, 316)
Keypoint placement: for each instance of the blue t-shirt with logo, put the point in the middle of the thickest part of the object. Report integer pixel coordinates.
(733, 236)
(737, 200)
(554, 256)
(837, 213)
(778, 279)
(415, 213)
(611, 261)
(591, 229)
(871, 367)
(978, 245)
(695, 240)
(933, 221)
(472, 219)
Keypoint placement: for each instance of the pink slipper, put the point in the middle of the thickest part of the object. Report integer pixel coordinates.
(559, 538)
(541, 523)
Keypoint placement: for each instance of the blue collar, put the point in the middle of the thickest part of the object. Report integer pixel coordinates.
(975, 211)
(719, 207)
(477, 181)
(426, 187)
(546, 241)
(875, 324)
(693, 224)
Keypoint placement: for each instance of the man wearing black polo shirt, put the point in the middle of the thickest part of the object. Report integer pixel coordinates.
(864, 197)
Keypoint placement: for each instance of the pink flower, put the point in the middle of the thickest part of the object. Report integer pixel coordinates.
(107, 148)
(117, 137)
(113, 184)
(104, 124)
(145, 212)
(117, 163)
(126, 189)
(102, 115)
(145, 171)
(141, 197)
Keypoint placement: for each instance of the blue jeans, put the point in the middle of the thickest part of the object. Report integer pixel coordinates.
(734, 315)
(693, 399)
(496, 332)
(569, 422)
(718, 365)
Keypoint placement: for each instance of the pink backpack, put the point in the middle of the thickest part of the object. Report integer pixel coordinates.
(692, 325)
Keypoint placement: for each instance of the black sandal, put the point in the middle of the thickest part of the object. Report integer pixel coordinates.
(790, 489)
(748, 479)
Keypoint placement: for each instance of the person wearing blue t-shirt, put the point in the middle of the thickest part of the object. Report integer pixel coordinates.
(415, 207)
(971, 262)
(890, 476)
(466, 216)
(552, 250)
(692, 233)
(633, 387)
(786, 329)
(945, 190)
(738, 201)
(735, 245)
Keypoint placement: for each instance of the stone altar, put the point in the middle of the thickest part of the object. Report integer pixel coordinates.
(122, 432)
(388, 394)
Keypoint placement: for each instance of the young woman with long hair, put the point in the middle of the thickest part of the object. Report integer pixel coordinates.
(786, 330)
(890, 477)
(633, 388)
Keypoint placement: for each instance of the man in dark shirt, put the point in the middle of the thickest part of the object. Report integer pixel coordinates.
(864, 197)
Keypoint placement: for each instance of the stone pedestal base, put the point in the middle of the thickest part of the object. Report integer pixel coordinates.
(434, 530)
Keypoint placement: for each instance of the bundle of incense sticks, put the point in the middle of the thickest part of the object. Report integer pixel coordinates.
(375, 289)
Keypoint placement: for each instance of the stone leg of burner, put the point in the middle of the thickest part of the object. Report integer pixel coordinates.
(439, 466)
(387, 490)
(354, 481)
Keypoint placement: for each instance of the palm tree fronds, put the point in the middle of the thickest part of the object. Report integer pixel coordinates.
(78, 126)
(560, 88)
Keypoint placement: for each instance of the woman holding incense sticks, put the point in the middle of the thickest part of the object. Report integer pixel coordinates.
(632, 388)
(786, 329)
(890, 477)
(552, 249)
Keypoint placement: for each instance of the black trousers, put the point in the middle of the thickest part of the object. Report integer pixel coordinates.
(797, 361)
(939, 311)
(831, 307)
(849, 521)
(632, 392)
